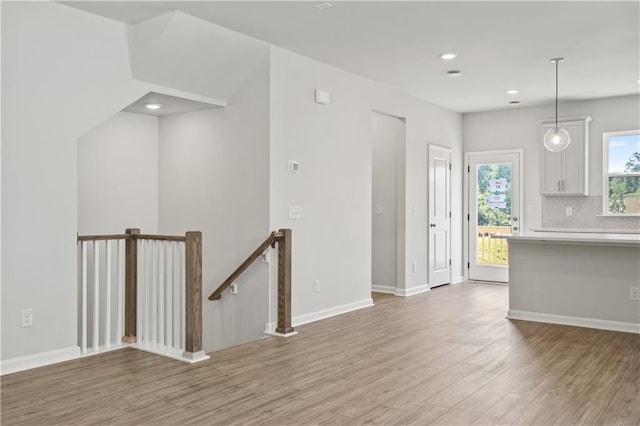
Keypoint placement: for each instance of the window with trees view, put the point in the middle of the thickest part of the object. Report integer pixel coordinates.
(621, 195)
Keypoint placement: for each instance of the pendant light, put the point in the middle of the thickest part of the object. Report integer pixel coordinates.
(556, 139)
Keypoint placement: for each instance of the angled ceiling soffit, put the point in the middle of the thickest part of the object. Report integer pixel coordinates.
(182, 52)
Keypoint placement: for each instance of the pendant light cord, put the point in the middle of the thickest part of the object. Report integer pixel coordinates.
(556, 61)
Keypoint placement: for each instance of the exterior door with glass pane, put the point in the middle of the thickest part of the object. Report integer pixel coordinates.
(494, 211)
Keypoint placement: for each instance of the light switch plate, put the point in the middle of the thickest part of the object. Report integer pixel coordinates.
(296, 212)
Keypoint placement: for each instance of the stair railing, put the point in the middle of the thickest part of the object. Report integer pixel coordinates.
(162, 289)
(282, 238)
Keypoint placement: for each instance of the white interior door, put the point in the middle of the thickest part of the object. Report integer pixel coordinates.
(439, 227)
(494, 211)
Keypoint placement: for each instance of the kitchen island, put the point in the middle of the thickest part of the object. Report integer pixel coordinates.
(580, 279)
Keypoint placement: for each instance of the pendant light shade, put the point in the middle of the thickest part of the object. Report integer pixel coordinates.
(556, 139)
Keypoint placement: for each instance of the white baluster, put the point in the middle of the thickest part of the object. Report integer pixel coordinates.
(169, 300)
(107, 320)
(140, 293)
(147, 305)
(175, 281)
(161, 293)
(183, 298)
(120, 298)
(96, 295)
(154, 292)
(85, 278)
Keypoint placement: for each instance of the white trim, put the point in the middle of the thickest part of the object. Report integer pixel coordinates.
(22, 363)
(457, 280)
(448, 150)
(177, 354)
(405, 292)
(331, 312)
(585, 118)
(383, 289)
(465, 199)
(627, 327)
(276, 334)
(103, 349)
(605, 173)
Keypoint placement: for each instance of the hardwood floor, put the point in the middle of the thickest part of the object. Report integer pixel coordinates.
(448, 356)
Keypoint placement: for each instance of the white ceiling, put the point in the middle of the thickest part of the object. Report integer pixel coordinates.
(501, 45)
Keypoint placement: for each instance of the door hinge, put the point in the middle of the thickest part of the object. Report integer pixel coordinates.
(468, 169)
(449, 166)
(449, 261)
(468, 266)
(468, 218)
(449, 214)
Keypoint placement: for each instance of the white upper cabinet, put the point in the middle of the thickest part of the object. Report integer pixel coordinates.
(566, 172)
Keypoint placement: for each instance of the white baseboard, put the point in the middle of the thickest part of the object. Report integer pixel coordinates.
(22, 363)
(457, 280)
(627, 327)
(412, 291)
(276, 334)
(331, 312)
(383, 289)
(173, 353)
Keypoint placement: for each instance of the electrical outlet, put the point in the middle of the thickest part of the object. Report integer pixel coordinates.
(316, 286)
(27, 318)
(634, 293)
(234, 288)
(568, 211)
(266, 256)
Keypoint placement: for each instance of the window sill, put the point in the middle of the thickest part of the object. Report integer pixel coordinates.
(636, 215)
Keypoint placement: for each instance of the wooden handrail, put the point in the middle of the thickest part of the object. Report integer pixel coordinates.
(270, 241)
(159, 237)
(283, 238)
(103, 237)
(132, 236)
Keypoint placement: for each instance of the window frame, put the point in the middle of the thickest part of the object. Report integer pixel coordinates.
(606, 175)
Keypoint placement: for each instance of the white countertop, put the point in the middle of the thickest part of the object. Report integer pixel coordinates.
(589, 231)
(587, 238)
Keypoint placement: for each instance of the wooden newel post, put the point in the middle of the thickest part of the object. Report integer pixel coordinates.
(130, 286)
(284, 282)
(193, 299)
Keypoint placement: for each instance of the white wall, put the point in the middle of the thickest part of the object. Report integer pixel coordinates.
(388, 138)
(118, 176)
(63, 72)
(333, 144)
(214, 178)
(520, 128)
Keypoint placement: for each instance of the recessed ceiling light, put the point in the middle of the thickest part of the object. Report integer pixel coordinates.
(153, 105)
(514, 102)
(322, 6)
(448, 56)
(512, 92)
(454, 73)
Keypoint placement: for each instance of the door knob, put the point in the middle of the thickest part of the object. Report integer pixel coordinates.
(432, 225)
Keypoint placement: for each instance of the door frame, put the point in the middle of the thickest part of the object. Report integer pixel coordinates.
(465, 199)
(448, 189)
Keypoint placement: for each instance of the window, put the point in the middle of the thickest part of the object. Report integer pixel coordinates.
(621, 166)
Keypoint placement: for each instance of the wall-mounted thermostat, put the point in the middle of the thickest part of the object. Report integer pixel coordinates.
(294, 167)
(322, 97)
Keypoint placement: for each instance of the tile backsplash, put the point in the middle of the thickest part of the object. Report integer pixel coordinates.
(585, 214)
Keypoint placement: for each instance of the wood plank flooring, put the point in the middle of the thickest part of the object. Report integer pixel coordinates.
(446, 357)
